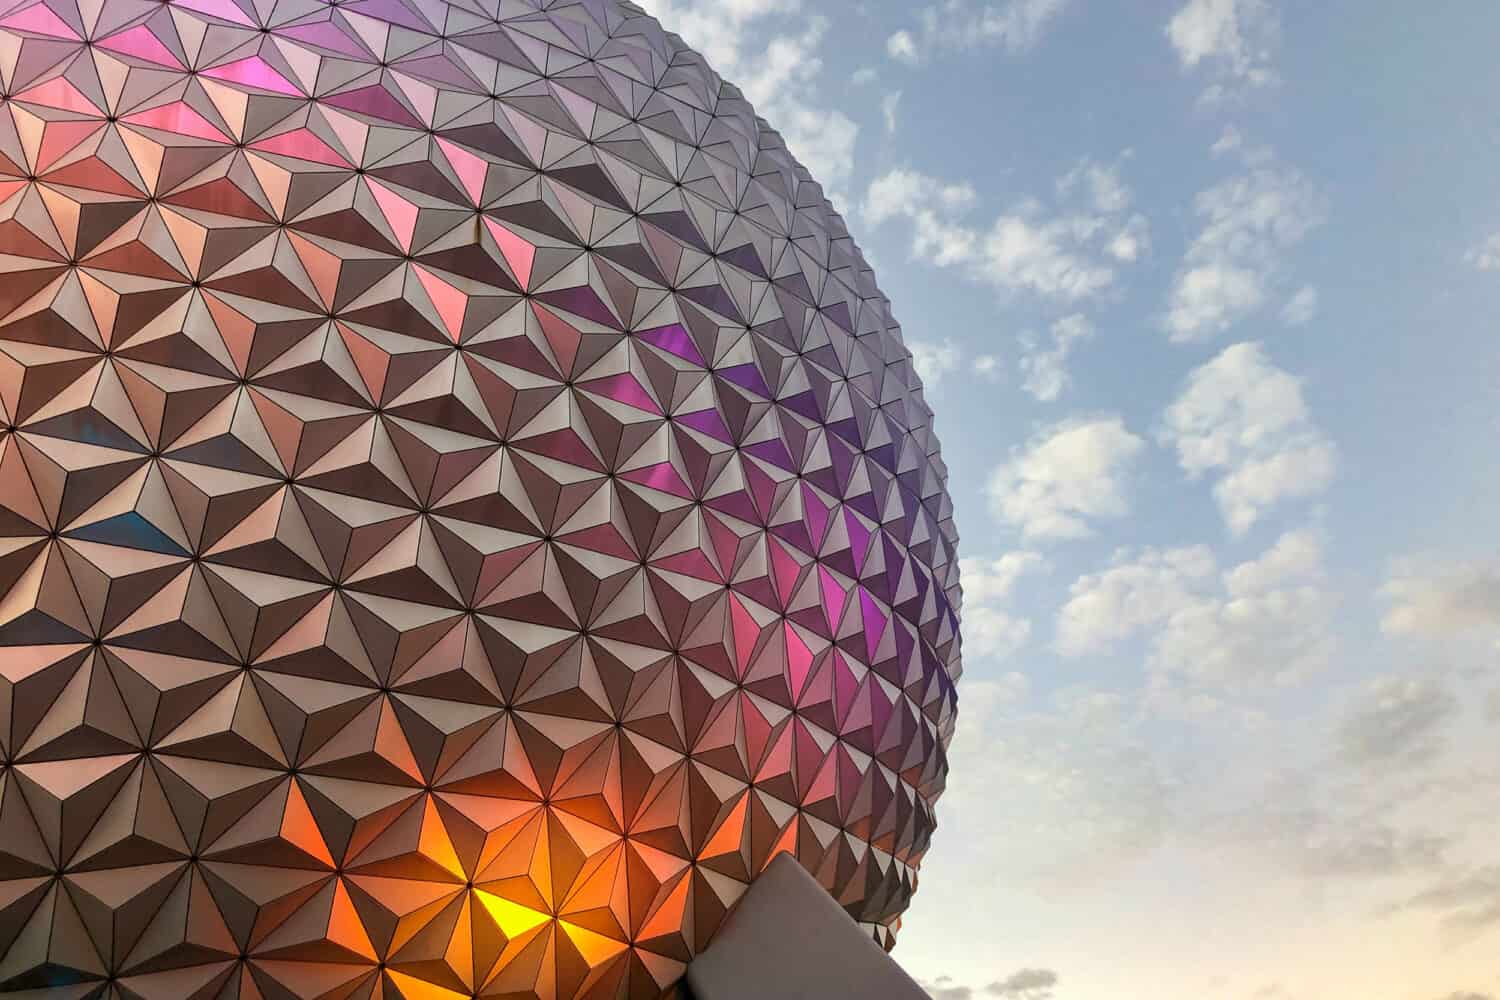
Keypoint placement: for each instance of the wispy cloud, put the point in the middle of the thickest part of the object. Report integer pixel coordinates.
(888, 105)
(991, 629)
(1023, 984)
(1301, 308)
(1485, 256)
(1249, 221)
(1262, 624)
(935, 360)
(1044, 363)
(1234, 40)
(1066, 251)
(956, 25)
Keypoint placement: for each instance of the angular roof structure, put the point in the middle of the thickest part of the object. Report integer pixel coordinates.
(786, 938)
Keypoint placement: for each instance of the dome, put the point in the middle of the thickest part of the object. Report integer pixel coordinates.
(465, 507)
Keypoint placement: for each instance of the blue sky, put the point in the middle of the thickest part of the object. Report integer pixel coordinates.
(1204, 296)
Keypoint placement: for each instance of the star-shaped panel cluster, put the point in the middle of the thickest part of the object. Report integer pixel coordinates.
(465, 506)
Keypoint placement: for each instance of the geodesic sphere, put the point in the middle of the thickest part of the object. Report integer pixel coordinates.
(464, 507)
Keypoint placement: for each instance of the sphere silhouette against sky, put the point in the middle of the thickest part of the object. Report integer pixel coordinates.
(465, 506)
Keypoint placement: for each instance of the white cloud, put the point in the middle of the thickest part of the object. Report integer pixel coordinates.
(990, 581)
(862, 76)
(933, 360)
(1015, 25)
(1271, 205)
(1133, 594)
(1301, 308)
(1207, 297)
(1486, 256)
(1234, 37)
(1244, 419)
(1030, 252)
(1102, 184)
(1249, 221)
(1070, 474)
(1131, 241)
(990, 628)
(1394, 721)
(1261, 624)
(1271, 626)
(994, 634)
(1296, 555)
(1046, 367)
(930, 205)
(1434, 599)
(902, 46)
(985, 698)
(888, 105)
(936, 360)
(904, 192)
(1067, 254)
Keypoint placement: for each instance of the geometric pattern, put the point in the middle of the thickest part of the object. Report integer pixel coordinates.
(465, 507)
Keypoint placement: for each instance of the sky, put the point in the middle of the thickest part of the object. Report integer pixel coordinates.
(1204, 296)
